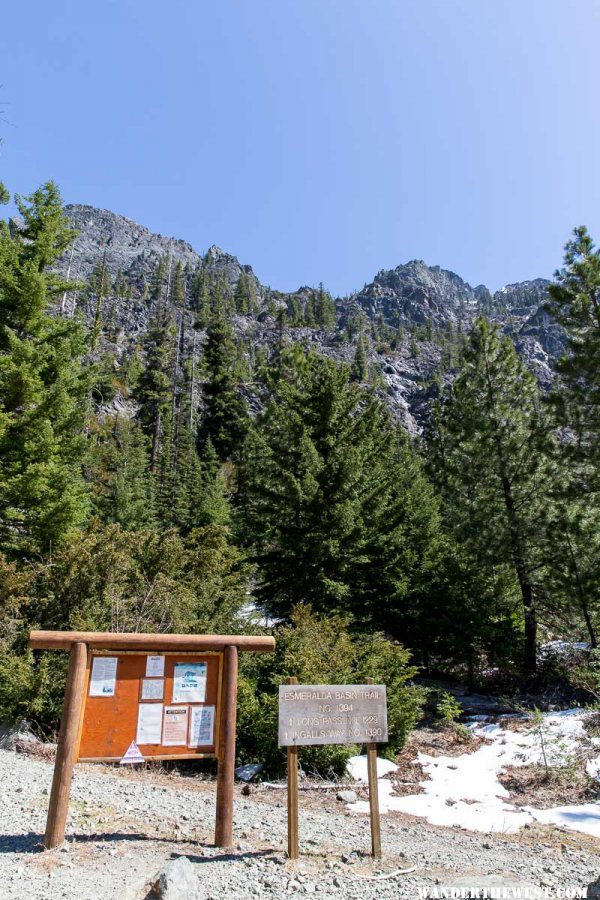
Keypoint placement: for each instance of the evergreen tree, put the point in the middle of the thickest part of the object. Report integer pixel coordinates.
(158, 284)
(574, 301)
(154, 390)
(573, 561)
(490, 451)
(117, 468)
(213, 507)
(360, 364)
(324, 309)
(177, 292)
(99, 288)
(43, 387)
(243, 297)
(224, 415)
(575, 304)
(335, 508)
(188, 486)
(201, 298)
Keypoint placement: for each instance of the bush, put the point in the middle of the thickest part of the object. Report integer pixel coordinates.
(321, 650)
(110, 579)
(32, 689)
(448, 709)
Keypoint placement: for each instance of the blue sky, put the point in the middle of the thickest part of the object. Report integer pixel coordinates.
(317, 139)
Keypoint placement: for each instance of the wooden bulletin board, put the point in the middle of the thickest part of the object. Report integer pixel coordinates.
(110, 723)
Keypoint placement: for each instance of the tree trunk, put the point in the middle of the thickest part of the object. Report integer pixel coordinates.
(582, 597)
(525, 585)
(155, 443)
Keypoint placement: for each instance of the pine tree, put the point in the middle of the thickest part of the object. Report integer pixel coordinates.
(99, 287)
(224, 414)
(200, 298)
(188, 493)
(213, 507)
(490, 450)
(573, 560)
(575, 304)
(360, 364)
(243, 295)
(335, 508)
(324, 309)
(177, 288)
(43, 386)
(158, 284)
(574, 301)
(154, 389)
(117, 468)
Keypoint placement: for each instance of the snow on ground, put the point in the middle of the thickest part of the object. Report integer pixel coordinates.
(465, 790)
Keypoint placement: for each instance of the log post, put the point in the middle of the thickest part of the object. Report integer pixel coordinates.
(292, 792)
(226, 757)
(373, 796)
(66, 752)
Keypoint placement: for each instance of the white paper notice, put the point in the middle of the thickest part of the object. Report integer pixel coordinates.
(189, 683)
(104, 676)
(202, 725)
(155, 667)
(175, 727)
(149, 725)
(153, 689)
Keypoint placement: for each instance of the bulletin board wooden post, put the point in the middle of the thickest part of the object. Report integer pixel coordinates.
(97, 726)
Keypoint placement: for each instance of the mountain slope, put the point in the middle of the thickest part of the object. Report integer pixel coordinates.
(411, 315)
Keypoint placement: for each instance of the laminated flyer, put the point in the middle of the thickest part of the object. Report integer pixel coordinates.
(202, 726)
(155, 667)
(149, 724)
(175, 726)
(104, 676)
(153, 688)
(189, 682)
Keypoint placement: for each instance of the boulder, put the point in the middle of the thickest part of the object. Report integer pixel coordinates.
(177, 881)
(248, 772)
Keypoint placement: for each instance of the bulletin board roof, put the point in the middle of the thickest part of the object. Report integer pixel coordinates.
(108, 640)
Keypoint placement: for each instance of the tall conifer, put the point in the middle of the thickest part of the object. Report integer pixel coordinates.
(490, 448)
(43, 387)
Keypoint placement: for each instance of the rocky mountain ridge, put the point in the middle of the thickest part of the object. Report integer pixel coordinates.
(419, 308)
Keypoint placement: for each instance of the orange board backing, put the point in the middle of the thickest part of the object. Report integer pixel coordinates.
(109, 724)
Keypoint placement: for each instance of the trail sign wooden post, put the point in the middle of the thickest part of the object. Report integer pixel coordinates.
(140, 696)
(313, 714)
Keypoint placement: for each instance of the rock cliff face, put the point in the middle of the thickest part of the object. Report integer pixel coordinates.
(426, 306)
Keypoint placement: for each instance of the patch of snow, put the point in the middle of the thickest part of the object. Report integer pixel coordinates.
(464, 790)
(584, 818)
(562, 648)
(356, 768)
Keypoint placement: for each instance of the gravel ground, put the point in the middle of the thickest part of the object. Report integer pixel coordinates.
(124, 827)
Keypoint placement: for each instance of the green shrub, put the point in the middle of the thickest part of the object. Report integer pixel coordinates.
(448, 709)
(463, 734)
(32, 690)
(320, 650)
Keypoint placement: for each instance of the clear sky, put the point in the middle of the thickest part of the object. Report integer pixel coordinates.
(317, 139)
